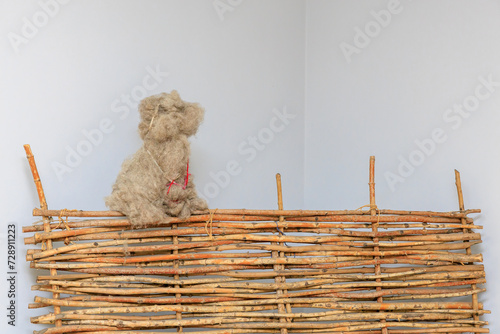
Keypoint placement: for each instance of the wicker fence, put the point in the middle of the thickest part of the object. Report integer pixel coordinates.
(364, 271)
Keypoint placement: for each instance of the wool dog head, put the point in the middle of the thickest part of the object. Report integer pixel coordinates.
(166, 116)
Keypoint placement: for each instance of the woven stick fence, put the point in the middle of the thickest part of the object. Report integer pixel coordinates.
(364, 271)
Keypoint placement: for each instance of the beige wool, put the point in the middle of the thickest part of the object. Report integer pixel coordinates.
(154, 184)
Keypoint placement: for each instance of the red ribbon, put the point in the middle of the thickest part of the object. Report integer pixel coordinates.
(169, 185)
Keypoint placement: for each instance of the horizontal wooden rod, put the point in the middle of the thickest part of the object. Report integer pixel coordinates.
(314, 223)
(275, 213)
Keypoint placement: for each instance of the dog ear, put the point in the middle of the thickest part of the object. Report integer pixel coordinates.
(170, 102)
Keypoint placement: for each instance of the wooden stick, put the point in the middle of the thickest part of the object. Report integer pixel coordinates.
(319, 283)
(245, 323)
(46, 219)
(279, 280)
(98, 301)
(251, 225)
(468, 250)
(96, 245)
(175, 252)
(236, 234)
(298, 317)
(373, 212)
(356, 216)
(197, 229)
(247, 212)
(343, 255)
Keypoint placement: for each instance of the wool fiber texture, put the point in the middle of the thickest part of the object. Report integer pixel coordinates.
(155, 184)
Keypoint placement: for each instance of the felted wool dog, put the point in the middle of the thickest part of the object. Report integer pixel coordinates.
(155, 183)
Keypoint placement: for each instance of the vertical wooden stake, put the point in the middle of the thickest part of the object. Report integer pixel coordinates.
(280, 192)
(46, 221)
(175, 241)
(371, 184)
(282, 220)
(468, 251)
(373, 212)
(280, 279)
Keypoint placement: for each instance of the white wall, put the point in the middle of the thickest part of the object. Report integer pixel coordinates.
(244, 66)
(395, 88)
(257, 59)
